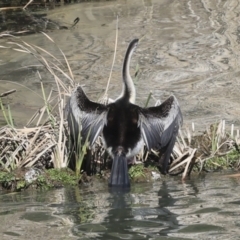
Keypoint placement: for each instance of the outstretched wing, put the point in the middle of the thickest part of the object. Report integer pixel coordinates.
(160, 124)
(85, 118)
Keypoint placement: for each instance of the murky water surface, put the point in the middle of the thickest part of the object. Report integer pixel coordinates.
(188, 48)
(206, 207)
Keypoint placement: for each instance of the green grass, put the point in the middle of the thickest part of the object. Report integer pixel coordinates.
(48, 179)
(136, 171)
(6, 114)
(229, 161)
(56, 178)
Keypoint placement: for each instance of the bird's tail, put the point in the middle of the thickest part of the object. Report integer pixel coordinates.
(119, 173)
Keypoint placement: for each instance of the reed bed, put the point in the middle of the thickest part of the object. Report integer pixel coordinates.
(213, 149)
(44, 141)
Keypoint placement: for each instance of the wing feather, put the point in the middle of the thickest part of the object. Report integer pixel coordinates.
(159, 127)
(161, 123)
(85, 118)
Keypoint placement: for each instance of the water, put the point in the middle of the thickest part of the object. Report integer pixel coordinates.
(188, 48)
(206, 207)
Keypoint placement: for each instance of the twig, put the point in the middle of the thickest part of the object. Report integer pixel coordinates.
(8, 8)
(35, 115)
(232, 130)
(105, 95)
(182, 138)
(148, 99)
(30, 163)
(189, 159)
(21, 85)
(193, 127)
(7, 93)
(178, 159)
(185, 161)
(30, 1)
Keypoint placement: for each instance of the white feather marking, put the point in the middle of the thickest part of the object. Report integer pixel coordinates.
(109, 149)
(138, 147)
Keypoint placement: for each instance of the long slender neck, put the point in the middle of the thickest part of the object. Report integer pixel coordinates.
(128, 90)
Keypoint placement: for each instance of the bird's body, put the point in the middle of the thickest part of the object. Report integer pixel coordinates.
(125, 127)
(122, 128)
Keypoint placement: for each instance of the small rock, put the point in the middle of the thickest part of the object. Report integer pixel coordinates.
(155, 175)
(31, 175)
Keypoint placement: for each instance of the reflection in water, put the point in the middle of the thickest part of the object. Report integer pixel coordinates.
(189, 48)
(129, 215)
(118, 217)
(165, 201)
(203, 208)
